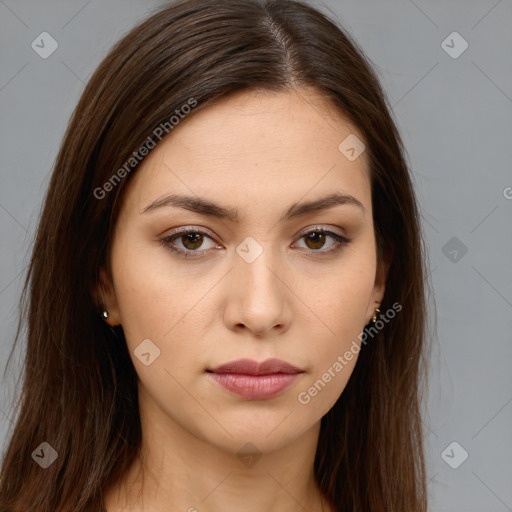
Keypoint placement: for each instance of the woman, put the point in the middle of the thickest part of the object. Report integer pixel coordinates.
(227, 291)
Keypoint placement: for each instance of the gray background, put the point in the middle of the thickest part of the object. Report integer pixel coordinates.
(455, 117)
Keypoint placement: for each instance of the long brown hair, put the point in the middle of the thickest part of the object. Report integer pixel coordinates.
(79, 389)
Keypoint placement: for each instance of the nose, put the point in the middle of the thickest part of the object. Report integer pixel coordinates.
(259, 296)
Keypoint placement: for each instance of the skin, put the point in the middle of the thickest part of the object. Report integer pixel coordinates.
(258, 152)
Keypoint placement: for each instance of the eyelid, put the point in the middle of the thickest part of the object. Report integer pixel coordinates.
(191, 229)
(201, 229)
(166, 240)
(340, 240)
(321, 227)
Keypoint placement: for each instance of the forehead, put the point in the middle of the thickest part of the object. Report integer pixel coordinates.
(252, 145)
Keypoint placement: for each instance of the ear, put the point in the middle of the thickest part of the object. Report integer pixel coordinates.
(379, 286)
(106, 299)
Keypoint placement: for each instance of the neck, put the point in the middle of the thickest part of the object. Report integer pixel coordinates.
(178, 471)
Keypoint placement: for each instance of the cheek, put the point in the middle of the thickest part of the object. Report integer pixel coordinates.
(340, 308)
(149, 288)
(157, 301)
(337, 347)
(341, 298)
(171, 302)
(319, 393)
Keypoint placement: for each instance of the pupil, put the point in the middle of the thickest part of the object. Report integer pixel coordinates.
(194, 238)
(318, 239)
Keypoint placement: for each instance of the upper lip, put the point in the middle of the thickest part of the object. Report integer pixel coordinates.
(251, 367)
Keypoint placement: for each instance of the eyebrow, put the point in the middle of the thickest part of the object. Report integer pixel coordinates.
(206, 207)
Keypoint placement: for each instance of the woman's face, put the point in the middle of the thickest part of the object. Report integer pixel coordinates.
(255, 278)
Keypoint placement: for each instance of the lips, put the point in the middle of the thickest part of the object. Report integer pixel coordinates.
(255, 381)
(250, 367)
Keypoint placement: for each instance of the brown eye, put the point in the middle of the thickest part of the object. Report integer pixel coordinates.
(316, 239)
(187, 242)
(192, 241)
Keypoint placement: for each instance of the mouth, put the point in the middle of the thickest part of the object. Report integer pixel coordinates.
(255, 381)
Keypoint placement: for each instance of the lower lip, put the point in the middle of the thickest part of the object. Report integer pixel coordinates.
(255, 387)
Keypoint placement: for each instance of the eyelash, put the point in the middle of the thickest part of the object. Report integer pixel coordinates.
(167, 242)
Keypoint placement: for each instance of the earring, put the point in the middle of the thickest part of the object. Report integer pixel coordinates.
(105, 312)
(374, 318)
